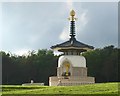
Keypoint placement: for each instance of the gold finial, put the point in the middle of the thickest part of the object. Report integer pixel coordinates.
(72, 14)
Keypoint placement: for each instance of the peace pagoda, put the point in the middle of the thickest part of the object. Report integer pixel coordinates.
(71, 70)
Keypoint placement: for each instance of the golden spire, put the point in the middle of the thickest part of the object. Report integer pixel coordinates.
(72, 14)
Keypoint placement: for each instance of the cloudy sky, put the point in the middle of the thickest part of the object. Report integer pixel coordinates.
(39, 25)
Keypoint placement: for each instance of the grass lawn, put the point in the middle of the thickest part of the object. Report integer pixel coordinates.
(101, 88)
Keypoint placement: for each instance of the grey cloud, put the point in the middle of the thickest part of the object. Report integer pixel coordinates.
(46, 21)
(101, 29)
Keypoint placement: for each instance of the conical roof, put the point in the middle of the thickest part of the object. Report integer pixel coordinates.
(72, 43)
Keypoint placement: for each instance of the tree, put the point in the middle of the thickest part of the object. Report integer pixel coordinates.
(103, 64)
(40, 65)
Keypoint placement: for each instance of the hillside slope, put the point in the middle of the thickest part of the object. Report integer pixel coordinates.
(101, 88)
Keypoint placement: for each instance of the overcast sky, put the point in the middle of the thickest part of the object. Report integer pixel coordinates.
(32, 26)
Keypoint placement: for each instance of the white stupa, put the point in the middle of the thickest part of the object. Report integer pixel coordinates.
(71, 68)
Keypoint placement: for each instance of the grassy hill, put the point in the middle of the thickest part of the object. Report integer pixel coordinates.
(101, 88)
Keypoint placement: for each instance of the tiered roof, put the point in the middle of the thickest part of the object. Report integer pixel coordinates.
(72, 43)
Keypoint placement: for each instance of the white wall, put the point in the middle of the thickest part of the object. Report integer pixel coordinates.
(76, 61)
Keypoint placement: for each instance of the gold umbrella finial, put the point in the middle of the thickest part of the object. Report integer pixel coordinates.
(72, 14)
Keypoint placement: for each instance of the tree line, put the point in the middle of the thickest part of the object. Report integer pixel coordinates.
(40, 65)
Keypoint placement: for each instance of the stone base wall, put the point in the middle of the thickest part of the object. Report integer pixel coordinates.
(31, 84)
(71, 81)
(79, 71)
(75, 71)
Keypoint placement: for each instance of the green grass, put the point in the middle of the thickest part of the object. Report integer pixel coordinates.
(101, 88)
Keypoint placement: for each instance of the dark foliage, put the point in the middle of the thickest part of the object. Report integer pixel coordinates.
(103, 64)
(40, 65)
(21, 69)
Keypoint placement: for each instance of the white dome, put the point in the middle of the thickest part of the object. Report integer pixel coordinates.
(75, 61)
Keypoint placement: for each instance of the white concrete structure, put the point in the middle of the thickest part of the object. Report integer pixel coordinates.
(74, 60)
(71, 70)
